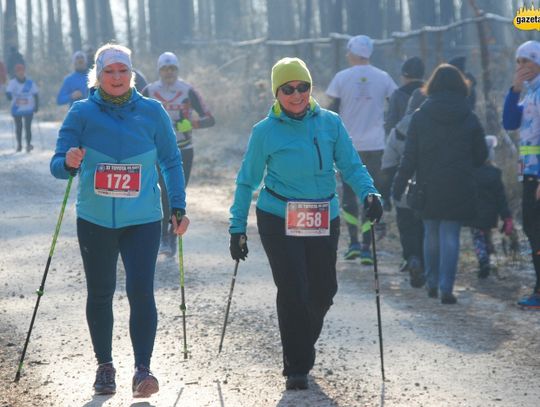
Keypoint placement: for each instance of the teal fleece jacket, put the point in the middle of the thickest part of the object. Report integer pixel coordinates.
(136, 132)
(298, 160)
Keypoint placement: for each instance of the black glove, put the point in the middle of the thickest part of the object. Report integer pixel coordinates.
(177, 213)
(373, 208)
(238, 246)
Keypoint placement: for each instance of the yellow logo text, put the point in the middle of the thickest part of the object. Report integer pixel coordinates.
(527, 19)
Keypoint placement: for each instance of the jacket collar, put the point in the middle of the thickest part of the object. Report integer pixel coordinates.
(277, 113)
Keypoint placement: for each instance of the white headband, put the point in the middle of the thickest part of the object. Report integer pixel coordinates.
(112, 56)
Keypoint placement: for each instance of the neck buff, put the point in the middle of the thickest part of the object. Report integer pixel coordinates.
(116, 100)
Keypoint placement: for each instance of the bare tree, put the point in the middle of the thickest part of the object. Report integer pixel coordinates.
(142, 37)
(41, 30)
(330, 16)
(58, 31)
(364, 17)
(106, 26)
(187, 14)
(280, 20)
(29, 32)
(393, 16)
(128, 25)
(75, 31)
(11, 35)
(91, 22)
(52, 46)
(205, 18)
(228, 21)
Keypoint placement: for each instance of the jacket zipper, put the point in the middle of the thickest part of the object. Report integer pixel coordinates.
(316, 142)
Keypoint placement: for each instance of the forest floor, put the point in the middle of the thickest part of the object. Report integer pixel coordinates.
(482, 352)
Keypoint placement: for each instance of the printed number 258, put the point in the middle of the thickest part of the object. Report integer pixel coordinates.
(309, 219)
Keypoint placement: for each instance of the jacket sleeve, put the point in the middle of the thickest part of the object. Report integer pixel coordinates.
(248, 180)
(205, 117)
(64, 95)
(512, 112)
(479, 147)
(409, 162)
(350, 165)
(170, 161)
(392, 117)
(69, 136)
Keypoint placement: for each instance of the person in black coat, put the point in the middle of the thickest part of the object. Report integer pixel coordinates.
(491, 204)
(445, 142)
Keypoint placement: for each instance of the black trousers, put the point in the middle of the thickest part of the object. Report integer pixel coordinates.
(372, 161)
(531, 222)
(27, 119)
(411, 233)
(304, 271)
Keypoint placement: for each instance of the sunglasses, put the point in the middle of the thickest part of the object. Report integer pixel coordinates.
(289, 89)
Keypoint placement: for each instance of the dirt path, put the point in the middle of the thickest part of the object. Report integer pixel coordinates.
(482, 352)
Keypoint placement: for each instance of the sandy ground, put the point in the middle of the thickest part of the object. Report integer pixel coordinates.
(482, 352)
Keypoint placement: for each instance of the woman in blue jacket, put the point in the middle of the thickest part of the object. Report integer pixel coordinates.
(115, 138)
(295, 149)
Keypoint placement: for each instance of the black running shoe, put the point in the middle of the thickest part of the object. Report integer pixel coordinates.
(144, 382)
(105, 383)
(296, 382)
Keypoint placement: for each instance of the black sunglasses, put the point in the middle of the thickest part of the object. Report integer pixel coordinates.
(289, 89)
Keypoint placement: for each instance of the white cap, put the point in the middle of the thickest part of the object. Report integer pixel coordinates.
(167, 59)
(529, 50)
(77, 55)
(361, 46)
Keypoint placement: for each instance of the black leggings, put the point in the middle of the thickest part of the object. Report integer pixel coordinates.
(372, 161)
(138, 245)
(304, 271)
(27, 128)
(531, 222)
(187, 162)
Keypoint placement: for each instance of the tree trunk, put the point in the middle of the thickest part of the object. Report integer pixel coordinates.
(154, 25)
(75, 32)
(422, 13)
(128, 25)
(106, 26)
(58, 27)
(364, 17)
(91, 23)
(205, 19)
(227, 22)
(187, 17)
(29, 32)
(52, 46)
(142, 38)
(11, 36)
(41, 29)
(393, 17)
(280, 20)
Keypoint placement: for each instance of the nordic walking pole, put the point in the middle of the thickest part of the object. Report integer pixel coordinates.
(377, 299)
(182, 292)
(233, 281)
(41, 289)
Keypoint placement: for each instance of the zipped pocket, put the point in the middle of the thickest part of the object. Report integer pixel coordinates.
(316, 142)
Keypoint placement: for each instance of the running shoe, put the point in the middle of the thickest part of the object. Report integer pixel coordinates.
(296, 382)
(144, 383)
(365, 257)
(530, 302)
(353, 252)
(105, 383)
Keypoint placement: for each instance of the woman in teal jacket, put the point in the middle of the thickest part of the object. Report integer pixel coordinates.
(295, 149)
(115, 138)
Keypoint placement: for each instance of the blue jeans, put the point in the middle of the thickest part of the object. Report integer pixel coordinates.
(441, 253)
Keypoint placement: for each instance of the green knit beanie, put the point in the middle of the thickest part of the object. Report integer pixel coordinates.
(289, 69)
